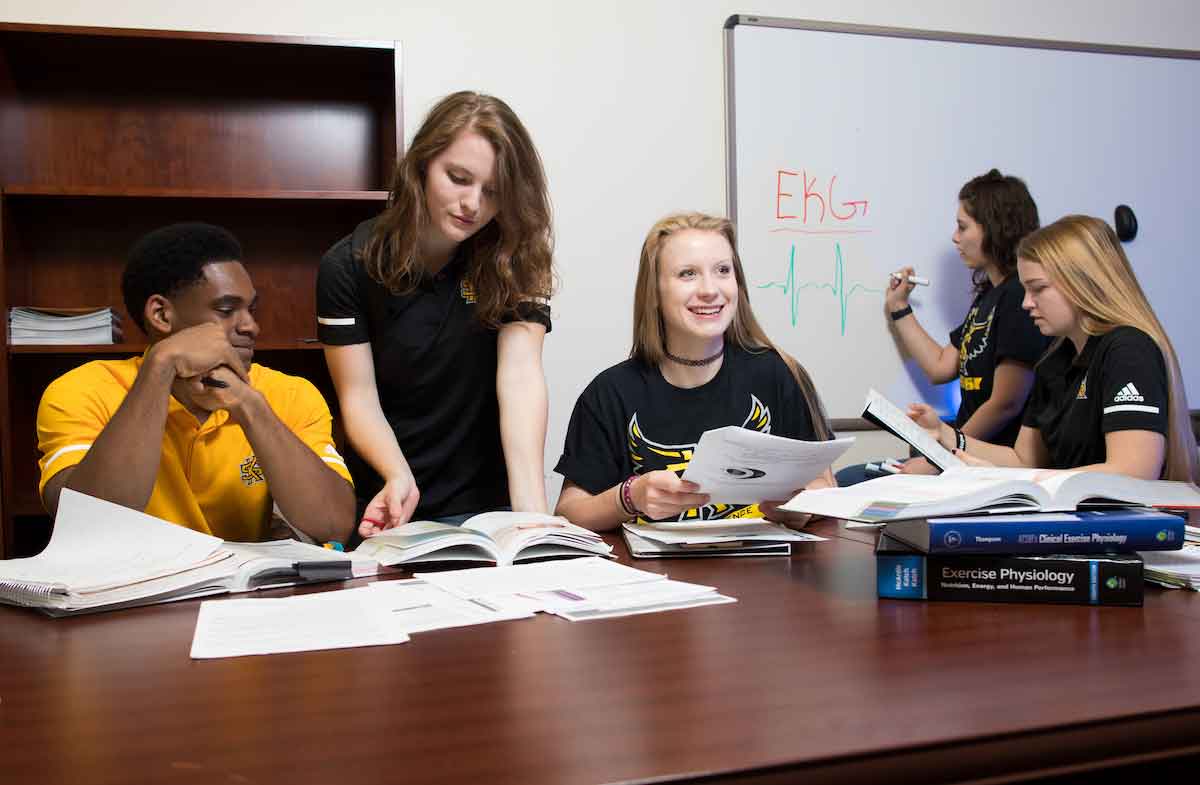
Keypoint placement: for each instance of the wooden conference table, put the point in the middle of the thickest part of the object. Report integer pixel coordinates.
(808, 676)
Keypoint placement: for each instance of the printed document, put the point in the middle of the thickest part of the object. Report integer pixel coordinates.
(734, 465)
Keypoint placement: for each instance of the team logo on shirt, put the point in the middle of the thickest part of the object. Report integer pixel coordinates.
(974, 341)
(250, 472)
(649, 455)
(1082, 394)
(466, 291)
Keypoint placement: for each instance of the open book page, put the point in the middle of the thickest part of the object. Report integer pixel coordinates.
(417, 539)
(329, 620)
(98, 545)
(883, 412)
(1070, 488)
(735, 465)
(899, 496)
(529, 534)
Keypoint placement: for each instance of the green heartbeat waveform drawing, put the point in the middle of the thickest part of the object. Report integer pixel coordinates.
(837, 288)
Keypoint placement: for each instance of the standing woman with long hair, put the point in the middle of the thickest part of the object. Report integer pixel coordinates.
(1109, 394)
(433, 315)
(993, 351)
(699, 361)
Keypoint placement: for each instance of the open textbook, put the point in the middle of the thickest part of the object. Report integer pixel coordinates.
(990, 489)
(736, 465)
(103, 556)
(500, 537)
(887, 415)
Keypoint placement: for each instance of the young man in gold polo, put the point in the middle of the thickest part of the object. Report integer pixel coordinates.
(192, 431)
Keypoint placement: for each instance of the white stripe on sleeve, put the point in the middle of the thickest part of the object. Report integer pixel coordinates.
(69, 448)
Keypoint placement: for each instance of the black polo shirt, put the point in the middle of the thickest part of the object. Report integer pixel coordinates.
(996, 328)
(1117, 383)
(435, 369)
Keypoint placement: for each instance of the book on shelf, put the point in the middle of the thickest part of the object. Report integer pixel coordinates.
(977, 489)
(34, 325)
(1120, 530)
(904, 573)
(887, 415)
(501, 537)
(712, 538)
(103, 556)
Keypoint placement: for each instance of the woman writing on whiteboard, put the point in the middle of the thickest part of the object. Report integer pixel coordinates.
(699, 361)
(993, 351)
(433, 316)
(1108, 396)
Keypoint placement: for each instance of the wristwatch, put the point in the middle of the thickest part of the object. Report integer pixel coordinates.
(898, 315)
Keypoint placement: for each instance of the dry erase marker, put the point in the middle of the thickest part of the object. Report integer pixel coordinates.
(915, 280)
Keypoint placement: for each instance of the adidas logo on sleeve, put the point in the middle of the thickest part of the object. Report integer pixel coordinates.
(1128, 393)
(1128, 399)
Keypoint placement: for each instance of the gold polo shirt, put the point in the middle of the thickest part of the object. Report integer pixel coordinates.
(208, 478)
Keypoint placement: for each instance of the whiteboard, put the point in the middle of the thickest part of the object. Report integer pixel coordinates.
(846, 148)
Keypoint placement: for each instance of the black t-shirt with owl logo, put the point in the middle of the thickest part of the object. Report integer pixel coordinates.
(996, 328)
(630, 420)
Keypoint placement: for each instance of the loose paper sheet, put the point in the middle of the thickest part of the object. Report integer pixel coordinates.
(735, 465)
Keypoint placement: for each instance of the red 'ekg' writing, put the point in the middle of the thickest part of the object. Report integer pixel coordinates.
(815, 200)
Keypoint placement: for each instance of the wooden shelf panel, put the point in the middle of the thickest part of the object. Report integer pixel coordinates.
(190, 193)
(195, 113)
(68, 31)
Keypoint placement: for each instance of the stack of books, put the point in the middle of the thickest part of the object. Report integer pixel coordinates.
(61, 326)
(1013, 535)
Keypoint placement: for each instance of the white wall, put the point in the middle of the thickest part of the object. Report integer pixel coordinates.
(625, 99)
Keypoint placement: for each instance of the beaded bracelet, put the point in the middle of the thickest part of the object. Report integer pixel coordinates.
(626, 496)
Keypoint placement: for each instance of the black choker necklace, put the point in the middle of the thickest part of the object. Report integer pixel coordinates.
(695, 363)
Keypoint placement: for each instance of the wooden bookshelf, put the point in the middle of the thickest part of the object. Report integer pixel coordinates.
(106, 134)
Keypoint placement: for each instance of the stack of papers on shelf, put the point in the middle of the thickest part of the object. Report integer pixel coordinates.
(60, 326)
(749, 537)
(389, 612)
(1174, 569)
(103, 556)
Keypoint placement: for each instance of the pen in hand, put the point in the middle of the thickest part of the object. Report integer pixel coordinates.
(209, 381)
(916, 280)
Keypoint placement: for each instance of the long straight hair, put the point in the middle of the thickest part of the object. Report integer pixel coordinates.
(511, 258)
(1084, 260)
(649, 331)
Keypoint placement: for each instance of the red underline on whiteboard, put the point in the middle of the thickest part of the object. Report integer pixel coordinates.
(823, 231)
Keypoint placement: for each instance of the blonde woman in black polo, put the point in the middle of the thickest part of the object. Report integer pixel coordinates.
(1109, 395)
